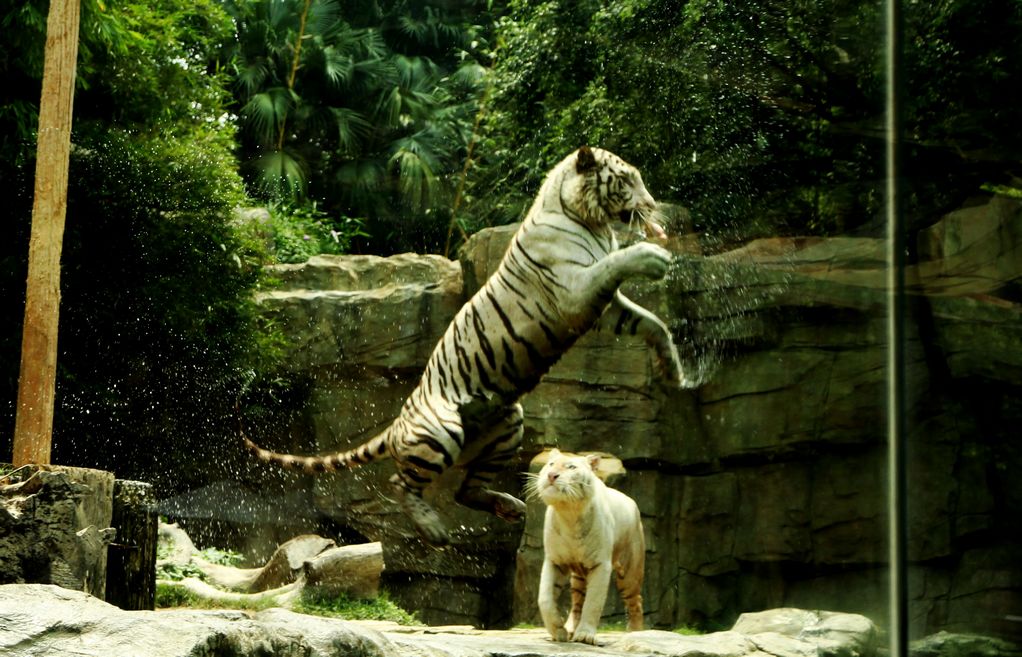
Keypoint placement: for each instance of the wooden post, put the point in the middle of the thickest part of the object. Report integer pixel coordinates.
(131, 558)
(34, 424)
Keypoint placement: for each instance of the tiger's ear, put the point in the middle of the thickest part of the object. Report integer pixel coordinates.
(594, 461)
(586, 161)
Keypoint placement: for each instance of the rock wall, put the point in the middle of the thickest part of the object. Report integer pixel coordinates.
(55, 527)
(761, 486)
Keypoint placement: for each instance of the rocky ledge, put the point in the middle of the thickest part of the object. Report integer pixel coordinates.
(40, 619)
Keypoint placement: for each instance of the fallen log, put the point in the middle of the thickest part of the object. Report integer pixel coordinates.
(283, 596)
(287, 561)
(303, 562)
(353, 570)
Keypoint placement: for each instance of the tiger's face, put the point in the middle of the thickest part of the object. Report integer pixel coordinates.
(610, 189)
(564, 478)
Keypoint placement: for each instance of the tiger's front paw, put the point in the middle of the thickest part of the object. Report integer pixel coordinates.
(508, 508)
(504, 506)
(650, 260)
(559, 634)
(584, 634)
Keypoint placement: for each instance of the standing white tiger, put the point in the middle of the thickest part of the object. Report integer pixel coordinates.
(589, 531)
(559, 276)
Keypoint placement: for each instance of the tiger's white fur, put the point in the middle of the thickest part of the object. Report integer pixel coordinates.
(559, 277)
(590, 530)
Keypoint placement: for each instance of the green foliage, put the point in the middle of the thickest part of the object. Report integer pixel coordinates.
(761, 118)
(303, 231)
(368, 118)
(174, 595)
(158, 330)
(685, 630)
(158, 327)
(221, 557)
(170, 595)
(174, 572)
(317, 602)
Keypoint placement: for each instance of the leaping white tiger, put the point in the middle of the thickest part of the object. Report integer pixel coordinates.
(558, 279)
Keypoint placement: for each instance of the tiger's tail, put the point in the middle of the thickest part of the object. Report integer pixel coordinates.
(372, 450)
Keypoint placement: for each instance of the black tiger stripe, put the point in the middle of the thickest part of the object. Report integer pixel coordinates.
(442, 371)
(413, 480)
(484, 378)
(423, 464)
(525, 311)
(420, 415)
(436, 446)
(488, 467)
(575, 239)
(534, 355)
(464, 365)
(547, 272)
(514, 271)
(542, 308)
(446, 357)
(551, 337)
(524, 267)
(484, 344)
(503, 282)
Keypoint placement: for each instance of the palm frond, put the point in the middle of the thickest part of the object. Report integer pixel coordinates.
(323, 15)
(361, 177)
(372, 44)
(280, 175)
(265, 111)
(352, 127)
(414, 71)
(337, 66)
(252, 76)
(389, 107)
(470, 73)
(417, 180)
(411, 26)
(282, 14)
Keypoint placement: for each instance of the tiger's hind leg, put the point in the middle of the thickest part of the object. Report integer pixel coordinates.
(426, 447)
(427, 521)
(498, 441)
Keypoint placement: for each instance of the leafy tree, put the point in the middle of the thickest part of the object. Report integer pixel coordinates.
(364, 108)
(158, 330)
(761, 117)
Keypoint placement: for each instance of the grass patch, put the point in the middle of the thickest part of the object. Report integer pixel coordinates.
(169, 595)
(319, 603)
(175, 572)
(312, 601)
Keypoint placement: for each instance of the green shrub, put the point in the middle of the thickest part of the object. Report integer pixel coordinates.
(320, 603)
(304, 231)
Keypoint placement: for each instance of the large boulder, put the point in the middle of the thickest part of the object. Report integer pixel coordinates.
(40, 621)
(55, 527)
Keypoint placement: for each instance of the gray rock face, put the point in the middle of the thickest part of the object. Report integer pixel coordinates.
(42, 621)
(55, 527)
(763, 485)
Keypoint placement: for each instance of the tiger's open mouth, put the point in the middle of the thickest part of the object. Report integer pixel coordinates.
(643, 222)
